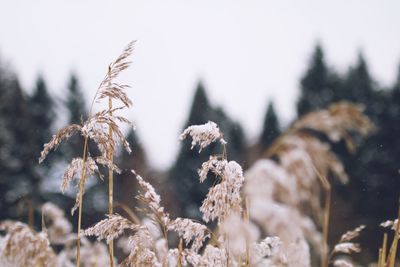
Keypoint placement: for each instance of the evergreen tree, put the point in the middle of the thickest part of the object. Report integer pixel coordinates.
(76, 106)
(15, 147)
(358, 85)
(271, 128)
(319, 85)
(379, 156)
(39, 127)
(42, 116)
(125, 183)
(75, 102)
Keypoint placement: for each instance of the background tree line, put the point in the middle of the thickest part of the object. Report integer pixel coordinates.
(27, 122)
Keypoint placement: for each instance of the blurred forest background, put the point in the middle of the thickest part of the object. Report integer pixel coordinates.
(27, 121)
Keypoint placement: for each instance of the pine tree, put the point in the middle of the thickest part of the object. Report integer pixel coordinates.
(271, 128)
(75, 102)
(125, 183)
(15, 147)
(41, 118)
(358, 84)
(372, 169)
(42, 115)
(319, 85)
(76, 107)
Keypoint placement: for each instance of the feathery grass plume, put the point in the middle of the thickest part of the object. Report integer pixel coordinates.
(190, 231)
(338, 122)
(223, 198)
(59, 228)
(185, 228)
(140, 243)
(309, 159)
(240, 233)
(73, 169)
(203, 135)
(22, 247)
(273, 204)
(96, 129)
(110, 228)
(108, 87)
(153, 207)
(390, 224)
(346, 246)
(57, 138)
(141, 253)
(103, 128)
(350, 235)
(94, 254)
(268, 252)
(59, 231)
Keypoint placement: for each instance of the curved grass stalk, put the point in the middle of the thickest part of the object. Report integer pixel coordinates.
(327, 207)
(110, 187)
(81, 188)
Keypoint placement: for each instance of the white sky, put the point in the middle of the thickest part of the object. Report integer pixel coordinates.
(246, 52)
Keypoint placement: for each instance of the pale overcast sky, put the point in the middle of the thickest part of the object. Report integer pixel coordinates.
(246, 52)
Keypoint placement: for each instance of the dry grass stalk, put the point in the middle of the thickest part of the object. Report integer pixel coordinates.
(304, 163)
(110, 185)
(94, 128)
(383, 251)
(80, 199)
(24, 247)
(310, 160)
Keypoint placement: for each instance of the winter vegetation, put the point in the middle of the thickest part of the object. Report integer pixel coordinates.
(276, 202)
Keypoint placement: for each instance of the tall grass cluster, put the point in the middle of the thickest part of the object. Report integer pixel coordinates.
(277, 213)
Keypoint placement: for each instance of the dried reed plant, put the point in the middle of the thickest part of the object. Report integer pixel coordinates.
(305, 163)
(147, 243)
(278, 193)
(21, 247)
(103, 128)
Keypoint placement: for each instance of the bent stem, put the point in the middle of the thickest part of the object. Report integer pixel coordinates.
(247, 219)
(180, 250)
(110, 187)
(81, 187)
(327, 207)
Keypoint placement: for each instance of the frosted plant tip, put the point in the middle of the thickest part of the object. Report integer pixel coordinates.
(203, 135)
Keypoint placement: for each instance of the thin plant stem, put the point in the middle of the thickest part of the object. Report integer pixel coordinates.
(327, 207)
(180, 250)
(81, 187)
(110, 187)
(247, 219)
(383, 251)
(31, 218)
(325, 259)
(393, 248)
(134, 218)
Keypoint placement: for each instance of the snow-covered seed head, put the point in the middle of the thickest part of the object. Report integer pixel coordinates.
(110, 228)
(203, 135)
